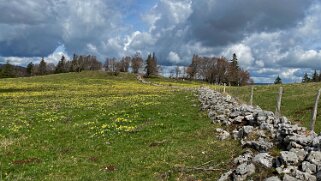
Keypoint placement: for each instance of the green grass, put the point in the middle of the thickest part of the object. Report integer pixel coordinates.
(94, 126)
(176, 82)
(297, 102)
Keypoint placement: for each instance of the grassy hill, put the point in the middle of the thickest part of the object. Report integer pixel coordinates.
(297, 103)
(94, 126)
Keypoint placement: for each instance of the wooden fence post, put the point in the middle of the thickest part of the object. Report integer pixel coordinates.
(315, 111)
(251, 98)
(224, 88)
(278, 103)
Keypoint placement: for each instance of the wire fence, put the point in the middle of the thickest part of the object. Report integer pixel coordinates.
(299, 102)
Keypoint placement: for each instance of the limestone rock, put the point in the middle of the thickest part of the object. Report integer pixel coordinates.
(264, 159)
(300, 139)
(226, 176)
(309, 167)
(289, 178)
(246, 157)
(261, 145)
(315, 158)
(224, 135)
(274, 178)
(247, 129)
(300, 153)
(304, 176)
(243, 171)
(289, 158)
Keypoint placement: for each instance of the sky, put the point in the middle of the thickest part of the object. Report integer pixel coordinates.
(270, 37)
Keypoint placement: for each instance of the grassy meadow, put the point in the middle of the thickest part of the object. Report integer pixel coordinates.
(297, 102)
(177, 82)
(95, 126)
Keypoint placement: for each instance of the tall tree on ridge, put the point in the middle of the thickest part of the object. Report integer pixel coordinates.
(233, 71)
(42, 67)
(315, 76)
(61, 66)
(278, 80)
(151, 65)
(137, 62)
(306, 78)
(30, 68)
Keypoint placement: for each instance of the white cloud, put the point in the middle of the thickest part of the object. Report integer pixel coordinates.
(259, 63)
(244, 54)
(174, 57)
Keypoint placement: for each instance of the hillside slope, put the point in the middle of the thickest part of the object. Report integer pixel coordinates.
(93, 126)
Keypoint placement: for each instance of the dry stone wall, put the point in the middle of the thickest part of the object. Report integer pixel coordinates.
(259, 132)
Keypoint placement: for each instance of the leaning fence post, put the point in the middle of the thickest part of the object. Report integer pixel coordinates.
(278, 103)
(315, 111)
(224, 88)
(251, 98)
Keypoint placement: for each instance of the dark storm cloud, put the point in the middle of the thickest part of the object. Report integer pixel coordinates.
(15, 12)
(217, 23)
(31, 41)
(27, 28)
(36, 27)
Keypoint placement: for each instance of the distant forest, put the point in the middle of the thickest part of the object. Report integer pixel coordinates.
(210, 69)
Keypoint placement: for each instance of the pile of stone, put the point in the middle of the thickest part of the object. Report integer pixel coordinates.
(260, 132)
(140, 79)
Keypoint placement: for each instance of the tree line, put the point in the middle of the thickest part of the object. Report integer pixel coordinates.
(134, 64)
(77, 64)
(315, 77)
(211, 69)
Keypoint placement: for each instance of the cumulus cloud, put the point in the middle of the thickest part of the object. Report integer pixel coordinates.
(174, 57)
(37, 27)
(244, 54)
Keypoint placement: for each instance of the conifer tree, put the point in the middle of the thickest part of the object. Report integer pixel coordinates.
(315, 76)
(61, 66)
(278, 80)
(151, 65)
(306, 78)
(42, 67)
(30, 68)
(233, 71)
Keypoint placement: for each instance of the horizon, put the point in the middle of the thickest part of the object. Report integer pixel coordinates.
(269, 39)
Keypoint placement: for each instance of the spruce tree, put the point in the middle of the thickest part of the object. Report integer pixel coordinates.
(315, 76)
(29, 69)
(306, 78)
(61, 66)
(234, 61)
(42, 67)
(151, 65)
(233, 71)
(278, 80)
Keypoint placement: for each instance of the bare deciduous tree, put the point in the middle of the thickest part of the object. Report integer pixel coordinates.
(217, 70)
(137, 63)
